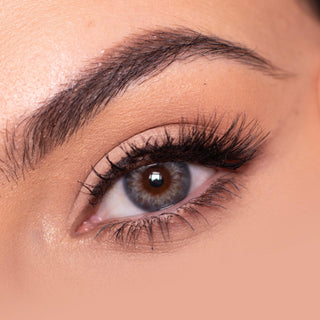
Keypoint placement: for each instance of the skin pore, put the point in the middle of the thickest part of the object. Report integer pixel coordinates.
(260, 260)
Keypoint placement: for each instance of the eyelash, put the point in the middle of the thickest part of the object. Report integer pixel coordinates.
(127, 231)
(197, 143)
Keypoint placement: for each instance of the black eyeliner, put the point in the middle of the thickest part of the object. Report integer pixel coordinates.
(199, 143)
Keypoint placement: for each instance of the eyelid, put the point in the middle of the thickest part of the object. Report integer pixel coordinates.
(187, 220)
(244, 149)
(205, 142)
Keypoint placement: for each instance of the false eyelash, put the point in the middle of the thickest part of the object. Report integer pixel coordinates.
(198, 143)
(127, 231)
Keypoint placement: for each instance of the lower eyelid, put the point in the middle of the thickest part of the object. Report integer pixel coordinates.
(192, 215)
(115, 198)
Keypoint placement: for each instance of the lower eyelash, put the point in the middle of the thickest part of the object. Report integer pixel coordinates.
(127, 232)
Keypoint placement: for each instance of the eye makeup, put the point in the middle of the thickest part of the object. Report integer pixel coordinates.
(215, 144)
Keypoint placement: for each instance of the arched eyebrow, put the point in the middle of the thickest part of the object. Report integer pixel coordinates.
(137, 59)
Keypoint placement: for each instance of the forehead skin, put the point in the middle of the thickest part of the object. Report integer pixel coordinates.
(43, 44)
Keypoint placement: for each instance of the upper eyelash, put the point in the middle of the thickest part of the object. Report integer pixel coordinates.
(197, 143)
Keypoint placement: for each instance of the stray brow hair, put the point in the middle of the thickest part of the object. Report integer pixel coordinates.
(139, 57)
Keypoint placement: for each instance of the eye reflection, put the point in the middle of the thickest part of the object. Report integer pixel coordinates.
(155, 179)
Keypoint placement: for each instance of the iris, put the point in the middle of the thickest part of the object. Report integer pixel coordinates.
(158, 186)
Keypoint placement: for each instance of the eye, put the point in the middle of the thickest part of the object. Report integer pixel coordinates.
(165, 182)
(149, 189)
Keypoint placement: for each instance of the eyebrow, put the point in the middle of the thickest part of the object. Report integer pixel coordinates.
(137, 59)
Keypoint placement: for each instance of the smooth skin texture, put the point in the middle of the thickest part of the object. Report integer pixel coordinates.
(262, 262)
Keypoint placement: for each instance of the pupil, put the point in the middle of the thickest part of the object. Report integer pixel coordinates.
(155, 179)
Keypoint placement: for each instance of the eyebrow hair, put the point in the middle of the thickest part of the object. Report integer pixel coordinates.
(138, 58)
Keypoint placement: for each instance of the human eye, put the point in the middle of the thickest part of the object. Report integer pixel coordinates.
(163, 184)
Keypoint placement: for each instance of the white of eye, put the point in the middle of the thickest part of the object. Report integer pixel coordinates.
(116, 203)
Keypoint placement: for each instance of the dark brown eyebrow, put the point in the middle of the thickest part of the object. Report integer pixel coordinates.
(137, 59)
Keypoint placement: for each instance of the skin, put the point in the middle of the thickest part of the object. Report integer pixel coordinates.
(261, 262)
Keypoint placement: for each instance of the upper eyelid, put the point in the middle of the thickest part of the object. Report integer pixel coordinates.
(248, 135)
